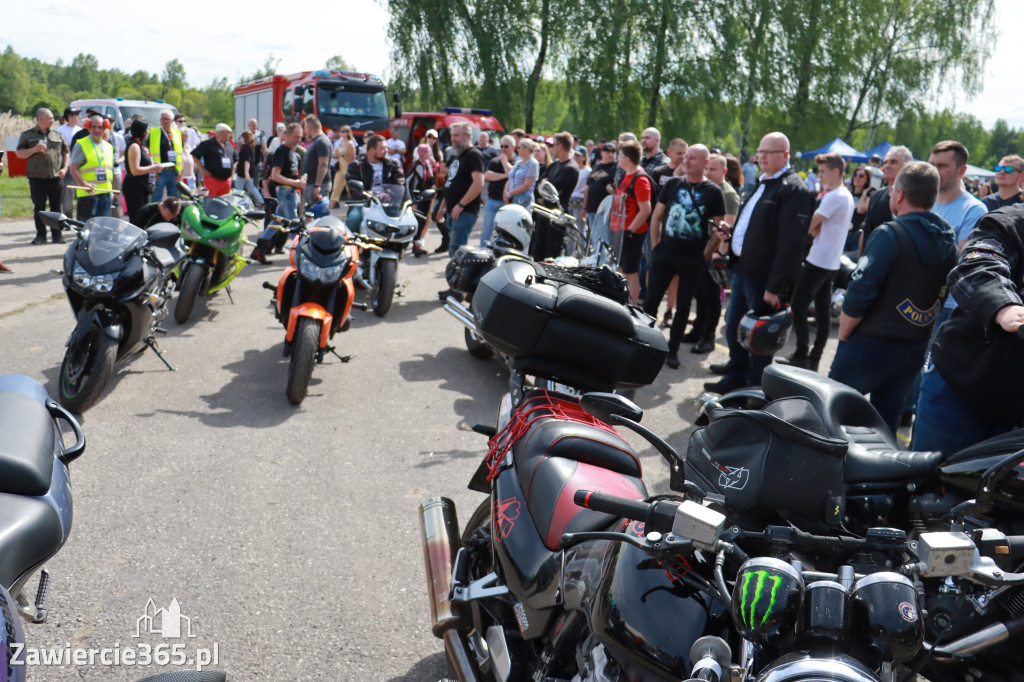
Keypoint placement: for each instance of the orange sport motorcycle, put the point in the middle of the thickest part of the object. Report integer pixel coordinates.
(315, 295)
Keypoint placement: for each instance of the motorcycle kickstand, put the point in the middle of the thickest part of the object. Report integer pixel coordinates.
(227, 290)
(343, 358)
(151, 342)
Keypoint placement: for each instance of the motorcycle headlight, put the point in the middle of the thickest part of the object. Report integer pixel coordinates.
(222, 243)
(101, 284)
(188, 233)
(315, 273)
(379, 227)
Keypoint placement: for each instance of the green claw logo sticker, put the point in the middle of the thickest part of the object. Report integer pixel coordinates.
(759, 588)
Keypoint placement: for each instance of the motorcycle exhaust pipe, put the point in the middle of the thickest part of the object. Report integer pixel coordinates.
(977, 642)
(460, 313)
(440, 543)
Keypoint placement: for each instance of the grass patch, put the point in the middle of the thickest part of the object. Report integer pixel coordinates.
(15, 201)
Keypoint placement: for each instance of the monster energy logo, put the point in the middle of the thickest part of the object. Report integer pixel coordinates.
(760, 580)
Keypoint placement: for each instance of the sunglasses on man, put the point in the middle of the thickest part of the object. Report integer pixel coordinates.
(1004, 169)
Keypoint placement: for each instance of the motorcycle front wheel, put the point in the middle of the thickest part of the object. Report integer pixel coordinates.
(384, 280)
(304, 349)
(477, 347)
(86, 369)
(188, 291)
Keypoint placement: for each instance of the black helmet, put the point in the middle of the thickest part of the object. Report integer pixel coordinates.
(718, 268)
(765, 334)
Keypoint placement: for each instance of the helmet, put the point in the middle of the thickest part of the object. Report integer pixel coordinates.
(718, 268)
(513, 226)
(765, 334)
(320, 209)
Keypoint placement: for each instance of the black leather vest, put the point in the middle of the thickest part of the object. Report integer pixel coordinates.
(912, 293)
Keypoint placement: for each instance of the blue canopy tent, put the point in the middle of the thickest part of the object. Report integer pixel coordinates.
(836, 145)
(881, 150)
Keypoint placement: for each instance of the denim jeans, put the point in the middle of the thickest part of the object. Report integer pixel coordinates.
(490, 209)
(165, 179)
(243, 185)
(744, 368)
(944, 422)
(882, 368)
(287, 202)
(914, 394)
(460, 228)
(94, 206)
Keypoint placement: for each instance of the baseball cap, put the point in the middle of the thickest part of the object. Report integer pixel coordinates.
(72, 111)
(608, 147)
(223, 128)
(581, 150)
(430, 132)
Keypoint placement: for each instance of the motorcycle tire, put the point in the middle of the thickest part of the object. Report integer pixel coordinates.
(188, 291)
(304, 349)
(477, 347)
(86, 369)
(384, 280)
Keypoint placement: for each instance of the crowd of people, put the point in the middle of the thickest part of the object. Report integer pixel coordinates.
(680, 219)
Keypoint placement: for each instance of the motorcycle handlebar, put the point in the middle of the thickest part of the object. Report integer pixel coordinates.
(656, 516)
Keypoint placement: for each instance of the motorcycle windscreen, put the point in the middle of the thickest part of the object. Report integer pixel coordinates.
(391, 199)
(218, 208)
(106, 242)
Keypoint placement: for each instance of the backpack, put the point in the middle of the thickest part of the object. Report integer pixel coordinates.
(620, 202)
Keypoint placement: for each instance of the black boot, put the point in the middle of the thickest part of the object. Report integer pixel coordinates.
(259, 254)
(445, 239)
(813, 361)
(797, 359)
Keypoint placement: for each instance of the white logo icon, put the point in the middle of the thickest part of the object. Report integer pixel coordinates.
(734, 477)
(170, 621)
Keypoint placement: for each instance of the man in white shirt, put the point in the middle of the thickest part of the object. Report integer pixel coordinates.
(70, 125)
(396, 149)
(829, 227)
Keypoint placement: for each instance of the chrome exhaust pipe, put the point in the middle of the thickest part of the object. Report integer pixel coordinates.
(460, 313)
(977, 642)
(440, 543)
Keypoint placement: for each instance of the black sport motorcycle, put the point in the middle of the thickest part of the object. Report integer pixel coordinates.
(118, 279)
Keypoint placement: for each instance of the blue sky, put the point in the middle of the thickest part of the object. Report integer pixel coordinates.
(220, 42)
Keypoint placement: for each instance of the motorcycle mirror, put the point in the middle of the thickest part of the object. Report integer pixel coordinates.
(605, 405)
(427, 194)
(355, 187)
(987, 485)
(255, 214)
(53, 219)
(184, 189)
(547, 191)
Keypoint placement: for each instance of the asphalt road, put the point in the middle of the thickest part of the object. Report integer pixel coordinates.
(288, 535)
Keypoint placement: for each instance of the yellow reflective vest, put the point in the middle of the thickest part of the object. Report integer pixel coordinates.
(155, 133)
(98, 167)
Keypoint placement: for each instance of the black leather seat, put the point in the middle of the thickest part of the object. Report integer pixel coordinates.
(27, 442)
(30, 533)
(873, 456)
(557, 457)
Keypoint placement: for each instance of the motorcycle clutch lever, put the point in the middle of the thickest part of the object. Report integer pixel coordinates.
(570, 539)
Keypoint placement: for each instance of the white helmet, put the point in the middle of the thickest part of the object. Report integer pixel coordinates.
(513, 226)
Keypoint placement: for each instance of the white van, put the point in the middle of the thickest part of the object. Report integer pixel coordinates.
(120, 109)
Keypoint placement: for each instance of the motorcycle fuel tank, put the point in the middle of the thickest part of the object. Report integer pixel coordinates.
(650, 620)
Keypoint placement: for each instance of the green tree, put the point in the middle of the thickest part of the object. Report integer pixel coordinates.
(173, 75)
(14, 83)
(338, 63)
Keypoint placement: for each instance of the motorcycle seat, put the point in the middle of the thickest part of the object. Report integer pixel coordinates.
(30, 533)
(839, 406)
(871, 459)
(167, 257)
(558, 456)
(28, 438)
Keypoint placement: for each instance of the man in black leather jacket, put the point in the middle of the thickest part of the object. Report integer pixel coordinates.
(767, 247)
(973, 384)
(374, 167)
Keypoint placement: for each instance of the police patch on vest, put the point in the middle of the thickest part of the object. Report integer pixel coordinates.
(915, 316)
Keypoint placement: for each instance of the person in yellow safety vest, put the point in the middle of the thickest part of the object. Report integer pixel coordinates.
(92, 167)
(165, 147)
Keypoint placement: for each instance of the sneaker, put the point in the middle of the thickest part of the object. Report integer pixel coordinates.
(724, 385)
(703, 346)
(418, 251)
(4, 268)
(793, 360)
(691, 337)
(443, 248)
(721, 368)
(672, 359)
(666, 321)
(39, 240)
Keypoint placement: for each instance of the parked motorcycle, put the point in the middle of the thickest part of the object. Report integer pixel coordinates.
(883, 484)
(315, 295)
(212, 228)
(118, 279)
(386, 221)
(35, 501)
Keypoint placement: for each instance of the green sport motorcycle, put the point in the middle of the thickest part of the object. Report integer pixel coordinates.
(212, 229)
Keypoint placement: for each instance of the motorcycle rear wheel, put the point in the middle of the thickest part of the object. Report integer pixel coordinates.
(86, 369)
(304, 349)
(384, 280)
(188, 291)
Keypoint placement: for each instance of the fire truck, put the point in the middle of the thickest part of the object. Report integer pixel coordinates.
(413, 126)
(337, 98)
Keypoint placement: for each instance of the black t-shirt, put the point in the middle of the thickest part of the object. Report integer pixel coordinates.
(994, 201)
(878, 212)
(150, 215)
(84, 132)
(597, 184)
(496, 188)
(460, 179)
(319, 148)
(564, 175)
(288, 161)
(216, 159)
(688, 209)
(246, 153)
(488, 153)
(662, 173)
